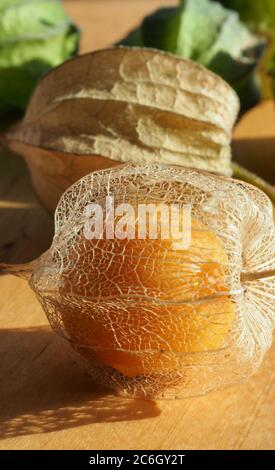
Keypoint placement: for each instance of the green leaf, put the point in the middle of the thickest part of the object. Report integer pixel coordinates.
(35, 36)
(206, 32)
(259, 15)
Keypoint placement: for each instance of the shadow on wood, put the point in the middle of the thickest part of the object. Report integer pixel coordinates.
(26, 228)
(257, 155)
(42, 390)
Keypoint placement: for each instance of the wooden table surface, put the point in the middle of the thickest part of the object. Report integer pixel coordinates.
(45, 401)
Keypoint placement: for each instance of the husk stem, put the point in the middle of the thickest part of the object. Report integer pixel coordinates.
(257, 276)
(24, 271)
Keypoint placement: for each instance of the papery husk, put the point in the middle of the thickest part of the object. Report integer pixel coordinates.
(124, 105)
(236, 213)
(53, 172)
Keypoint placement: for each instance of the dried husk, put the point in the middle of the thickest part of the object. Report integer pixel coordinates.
(124, 105)
(238, 214)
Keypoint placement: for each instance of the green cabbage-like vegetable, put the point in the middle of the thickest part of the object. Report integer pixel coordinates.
(35, 36)
(206, 32)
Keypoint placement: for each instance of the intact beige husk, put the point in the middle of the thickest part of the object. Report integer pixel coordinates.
(124, 105)
(81, 297)
(53, 172)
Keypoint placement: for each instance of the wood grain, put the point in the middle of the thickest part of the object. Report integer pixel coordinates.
(46, 402)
